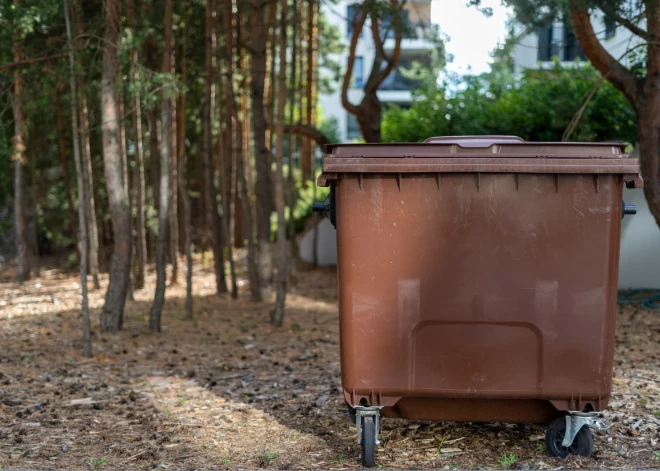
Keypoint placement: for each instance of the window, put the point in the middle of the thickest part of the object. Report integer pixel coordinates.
(386, 25)
(352, 128)
(545, 43)
(352, 12)
(358, 72)
(610, 27)
(572, 49)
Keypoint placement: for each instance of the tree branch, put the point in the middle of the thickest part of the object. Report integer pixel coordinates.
(308, 131)
(35, 60)
(377, 75)
(358, 24)
(642, 33)
(621, 77)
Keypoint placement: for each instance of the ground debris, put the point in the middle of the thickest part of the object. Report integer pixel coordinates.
(227, 391)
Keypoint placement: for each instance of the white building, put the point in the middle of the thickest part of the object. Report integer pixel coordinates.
(538, 48)
(396, 88)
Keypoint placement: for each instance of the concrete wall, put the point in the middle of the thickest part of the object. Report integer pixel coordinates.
(639, 261)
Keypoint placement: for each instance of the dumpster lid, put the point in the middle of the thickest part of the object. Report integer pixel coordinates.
(474, 141)
(481, 154)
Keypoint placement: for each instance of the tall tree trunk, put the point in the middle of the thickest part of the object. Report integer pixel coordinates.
(174, 218)
(277, 316)
(262, 155)
(154, 167)
(271, 76)
(241, 180)
(182, 171)
(89, 205)
(64, 161)
(112, 315)
(291, 192)
(88, 175)
(35, 215)
(164, 190)
(211, 191)
(124, 163)
(141, 240)
(18, 157)
(310, 102)
(225, 163)
(82, 223)
(269, 88)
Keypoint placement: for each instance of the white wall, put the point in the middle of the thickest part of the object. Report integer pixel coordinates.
(326, 243)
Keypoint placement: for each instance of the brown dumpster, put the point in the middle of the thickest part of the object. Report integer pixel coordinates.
(478, 281)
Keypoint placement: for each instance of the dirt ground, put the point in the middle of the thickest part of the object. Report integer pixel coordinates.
(227, 391)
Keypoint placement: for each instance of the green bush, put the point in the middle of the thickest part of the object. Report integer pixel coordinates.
(539, 108)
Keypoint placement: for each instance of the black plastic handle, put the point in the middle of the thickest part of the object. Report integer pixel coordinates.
(321, 207)
(327, 207)
(628, 209)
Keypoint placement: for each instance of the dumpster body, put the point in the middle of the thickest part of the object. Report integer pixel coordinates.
(477, 276)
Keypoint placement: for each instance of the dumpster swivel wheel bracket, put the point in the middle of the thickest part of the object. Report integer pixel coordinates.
(364, 411)
(576, 420)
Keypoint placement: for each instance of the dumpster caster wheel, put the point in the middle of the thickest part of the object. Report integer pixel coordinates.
(368, 441)
(583, 443)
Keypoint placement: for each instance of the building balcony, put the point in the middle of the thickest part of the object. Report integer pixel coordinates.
(417, 37)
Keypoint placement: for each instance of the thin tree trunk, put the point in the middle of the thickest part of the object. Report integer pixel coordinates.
(18, 157)
(291, 192)
(88, 175)
(262, 155)
(35, 215)
(310, 102)
(89, 203)
(141, 240)
(241, 180)
(82, 223)
(164, 190)
(211, 191)
(182, 171)
(112, 315)
(174, 218)
(64, 160)
(277, 316)
(225, 165)
(269, 88)
(154, 166)
(124, 160)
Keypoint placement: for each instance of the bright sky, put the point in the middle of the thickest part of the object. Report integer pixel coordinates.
(472, 35)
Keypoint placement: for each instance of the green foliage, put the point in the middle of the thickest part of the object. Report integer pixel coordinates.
(305, 199)
(508, 460)
(98, 462)
(540, 108)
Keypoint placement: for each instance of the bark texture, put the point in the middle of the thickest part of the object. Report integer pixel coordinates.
(18, 156)
(83, 252)
(277, 316)
(112, 315)
(164, 183)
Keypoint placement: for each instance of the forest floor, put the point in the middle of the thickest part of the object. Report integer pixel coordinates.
(227, 391)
